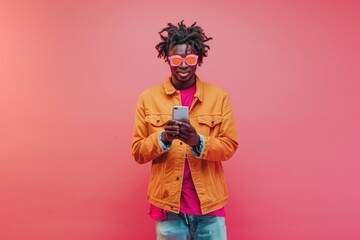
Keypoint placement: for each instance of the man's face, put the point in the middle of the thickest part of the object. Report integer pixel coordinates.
(183, 75)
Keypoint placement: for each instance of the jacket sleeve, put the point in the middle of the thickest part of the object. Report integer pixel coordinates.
(145, 147)
(223, 146)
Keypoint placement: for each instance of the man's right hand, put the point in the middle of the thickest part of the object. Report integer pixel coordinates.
(171, 131)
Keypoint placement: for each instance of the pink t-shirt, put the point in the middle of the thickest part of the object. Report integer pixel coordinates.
(189, 201)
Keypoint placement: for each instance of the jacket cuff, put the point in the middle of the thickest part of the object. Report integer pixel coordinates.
(198, 150)
(164, 146)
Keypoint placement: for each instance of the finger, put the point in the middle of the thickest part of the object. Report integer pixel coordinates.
(171, 136)
(184, 124)
(171, 122)
(172, 131)
(187, 130)
(172, 128)
(184, 137)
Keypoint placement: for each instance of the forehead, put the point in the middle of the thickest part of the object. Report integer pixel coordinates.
(181, 49)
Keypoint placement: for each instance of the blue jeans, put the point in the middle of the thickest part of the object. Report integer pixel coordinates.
(184, 227)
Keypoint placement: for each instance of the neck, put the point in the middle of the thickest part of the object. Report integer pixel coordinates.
(181, 85)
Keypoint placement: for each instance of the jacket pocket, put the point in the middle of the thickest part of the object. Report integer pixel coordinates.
(156, 122)
(209, 125)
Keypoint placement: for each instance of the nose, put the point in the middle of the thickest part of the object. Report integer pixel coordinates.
(183, 64)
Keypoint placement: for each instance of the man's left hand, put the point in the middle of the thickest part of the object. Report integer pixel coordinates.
(188, 134)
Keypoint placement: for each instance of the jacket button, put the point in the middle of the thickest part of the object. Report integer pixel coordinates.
(157, 120)
(212, 122)
(177, 178)
(180, 143)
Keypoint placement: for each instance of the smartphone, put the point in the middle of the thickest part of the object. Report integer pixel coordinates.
(181, 113)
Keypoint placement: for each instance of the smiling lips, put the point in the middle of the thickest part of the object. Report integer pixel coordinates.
(183, 74)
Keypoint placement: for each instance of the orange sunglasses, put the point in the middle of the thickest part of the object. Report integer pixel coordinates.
(176, 60)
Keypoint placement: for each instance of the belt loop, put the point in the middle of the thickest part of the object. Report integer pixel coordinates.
(186, 219)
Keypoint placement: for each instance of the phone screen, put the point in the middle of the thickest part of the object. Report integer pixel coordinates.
(181, 113)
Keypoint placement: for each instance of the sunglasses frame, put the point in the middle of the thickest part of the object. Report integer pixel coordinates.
(183, 59)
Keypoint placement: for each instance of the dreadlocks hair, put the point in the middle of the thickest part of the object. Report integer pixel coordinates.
(180, 34)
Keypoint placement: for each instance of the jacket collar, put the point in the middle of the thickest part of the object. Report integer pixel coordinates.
(169, 88)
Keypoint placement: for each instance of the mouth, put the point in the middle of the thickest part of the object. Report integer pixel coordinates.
(183, 74)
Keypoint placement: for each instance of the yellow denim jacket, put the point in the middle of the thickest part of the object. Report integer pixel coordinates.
(212, 117)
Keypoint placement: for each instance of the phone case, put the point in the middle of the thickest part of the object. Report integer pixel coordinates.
(181, 113)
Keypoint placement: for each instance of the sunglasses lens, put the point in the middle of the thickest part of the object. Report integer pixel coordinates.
(176, 61)
(191, 60)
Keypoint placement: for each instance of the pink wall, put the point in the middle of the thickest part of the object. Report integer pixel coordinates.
(70, 74)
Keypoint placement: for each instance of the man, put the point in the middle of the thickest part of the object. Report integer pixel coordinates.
(187, 190)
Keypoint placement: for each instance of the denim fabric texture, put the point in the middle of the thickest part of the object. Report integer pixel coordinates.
(185, 227)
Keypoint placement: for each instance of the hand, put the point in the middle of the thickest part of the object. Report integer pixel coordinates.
(188, 134)
(171, 131)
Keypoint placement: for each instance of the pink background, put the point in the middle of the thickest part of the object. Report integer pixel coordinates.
(70, 74)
